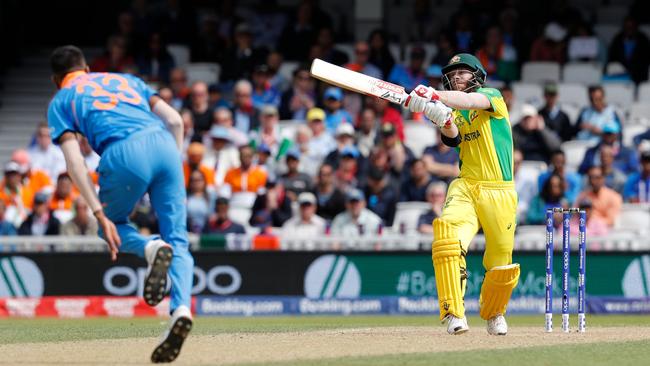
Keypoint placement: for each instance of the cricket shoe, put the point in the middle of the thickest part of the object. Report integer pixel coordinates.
(455, 325)
(169, 347)
(497, 325)
(159, 257)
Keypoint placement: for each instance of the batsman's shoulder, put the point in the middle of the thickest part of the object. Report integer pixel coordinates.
(489, 92)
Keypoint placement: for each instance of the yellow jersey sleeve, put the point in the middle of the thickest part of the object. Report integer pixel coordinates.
(499, 109)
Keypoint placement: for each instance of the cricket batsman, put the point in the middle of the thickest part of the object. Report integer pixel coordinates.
(129, 126)
(483, 196)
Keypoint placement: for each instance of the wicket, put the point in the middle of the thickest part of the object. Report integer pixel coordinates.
(566, 254)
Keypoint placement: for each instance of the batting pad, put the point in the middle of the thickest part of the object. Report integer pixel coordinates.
(496, 290)
(446, 265)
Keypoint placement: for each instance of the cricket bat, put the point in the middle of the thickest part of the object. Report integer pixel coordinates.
(357, 82)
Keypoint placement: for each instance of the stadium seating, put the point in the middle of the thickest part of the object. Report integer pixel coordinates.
(203, 71)
(574, 94)
(619, 94)
(639, 113)
(643, 92)
(634, 217)
(530, 93)
(180, 53)
(582, 72)
(419, 135)
(287, 68)
(407, 215)
(539, 72)
(606, 32)
(430, 48)
(613, 14)
(347, 48)
(575, 152)
(531, 168)
(630, 131)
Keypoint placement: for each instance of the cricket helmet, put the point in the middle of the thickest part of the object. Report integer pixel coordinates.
(469, 61)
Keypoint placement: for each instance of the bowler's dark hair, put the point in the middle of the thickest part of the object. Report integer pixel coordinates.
(65, 59)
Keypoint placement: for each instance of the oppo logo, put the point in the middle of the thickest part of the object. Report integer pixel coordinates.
(219, 280)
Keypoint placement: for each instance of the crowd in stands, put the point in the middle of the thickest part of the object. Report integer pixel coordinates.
(263, 151)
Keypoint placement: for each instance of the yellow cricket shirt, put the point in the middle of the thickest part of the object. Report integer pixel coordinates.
(486, 140)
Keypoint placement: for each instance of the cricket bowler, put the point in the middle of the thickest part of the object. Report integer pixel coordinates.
(483, 196)
(139, 138)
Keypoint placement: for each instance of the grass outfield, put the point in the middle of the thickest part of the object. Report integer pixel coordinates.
(213, 337)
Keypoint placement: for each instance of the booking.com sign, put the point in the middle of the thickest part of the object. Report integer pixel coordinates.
(123, 281)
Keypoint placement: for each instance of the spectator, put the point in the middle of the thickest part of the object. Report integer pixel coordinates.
(334, 107)
(298, 34)
(631, 48)
(193, 163)
(436, 193)
(388, 114)
(498, 58)
(247, 177)
(34, 179)
(381, 197)
(554, 117)
(276, 79)
(188, 129)
(344, 138)
(595, 225)
(535, 140)
(306, 225)
(294, 181)
(82, 223)
(399, 156)
(265, 161)
(321, 142)
(614, 177)
(216, 98)
(62, 200)
(551, 195)
(637, 187)
(594, 118)
(356, 220)
(219, 223)
(6, 227)
(414, 189)
(525, 185)
(331, 200)
(115, 59)
(606, 202)
(244, 114)
(441, 160)
(269, 131)
(573, 180)
(297, 101)
(625, 158)
(223, 156)
(514, 106)
(17, 197)
(272, 207)
(199, 105)
(301, 143)
(263, 92)
(412, 75)
(367, 132)
(550, 46)
(178, 85)
(46, 156)
(199, 202)
(40, 221)
(434, 76)
(223, 117)
(167, 95)
(241, 57)
(361, 61)
(462, 33)
(380, 54)
(325, 41)
(584, 46)
(347, 172)
(156, 63)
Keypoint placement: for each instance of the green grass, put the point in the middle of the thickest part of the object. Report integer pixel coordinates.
(619, 354)
(52, 330)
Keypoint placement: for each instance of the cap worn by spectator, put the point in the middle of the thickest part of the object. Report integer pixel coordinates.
(350, 152)
(306, 198)
(333, 93)
(269, 110)
(21, 156)
(418, 52)
(554, 32)
(12, 167)
(645, 156)
(354, 195)
(528, 110)
(293, 154)
(263, 149)
(222, 200)
(550, 89)
(219, 133)
(315, 114)
(434, 71)
(345, 129)
(387, 129)
(611, 128)
(40, 197)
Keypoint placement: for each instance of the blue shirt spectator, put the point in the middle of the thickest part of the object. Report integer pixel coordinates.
(6, 228)
(412, 75)
(594, 119)
(637, 187)
(335, 112)
(220, 223)
(625, 159)
(558, 166)
(263, 92)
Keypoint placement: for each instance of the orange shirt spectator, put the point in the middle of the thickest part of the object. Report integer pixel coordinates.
(35, 179)
(606, 203)
(246, 178)
(17, 198)
(194, 157)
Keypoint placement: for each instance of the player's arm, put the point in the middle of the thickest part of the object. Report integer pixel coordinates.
(172, 119)
(462, 100)
(79, 173)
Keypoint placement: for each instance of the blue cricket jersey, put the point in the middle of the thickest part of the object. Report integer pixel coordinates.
(104, 107)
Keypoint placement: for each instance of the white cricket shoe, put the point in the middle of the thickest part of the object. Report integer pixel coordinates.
(172, 340)
(455, 325)
(159, 257)
(497, 325)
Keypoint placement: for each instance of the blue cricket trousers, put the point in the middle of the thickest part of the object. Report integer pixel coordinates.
(148, 162)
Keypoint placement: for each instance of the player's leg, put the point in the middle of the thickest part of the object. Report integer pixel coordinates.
(167, 192)
(497, 210)
(452, 234)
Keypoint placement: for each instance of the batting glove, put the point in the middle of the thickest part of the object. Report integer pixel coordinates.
(438, 113)
(419, 97)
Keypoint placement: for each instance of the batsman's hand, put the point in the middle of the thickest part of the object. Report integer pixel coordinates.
(419, 97)
(110, 233)
(438, 113)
